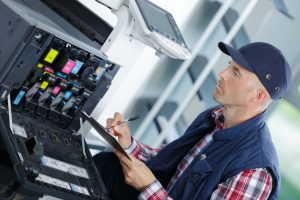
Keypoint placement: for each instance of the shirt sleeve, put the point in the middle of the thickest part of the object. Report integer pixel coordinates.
(249, 184)
(154, 192)
(141, 151)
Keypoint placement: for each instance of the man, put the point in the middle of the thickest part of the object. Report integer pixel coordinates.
(226, 153)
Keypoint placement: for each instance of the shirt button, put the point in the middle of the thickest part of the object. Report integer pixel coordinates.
(202, 156)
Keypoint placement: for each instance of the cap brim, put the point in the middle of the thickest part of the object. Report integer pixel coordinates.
(236, 55)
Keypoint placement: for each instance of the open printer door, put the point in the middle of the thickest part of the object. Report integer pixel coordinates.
(50, 67)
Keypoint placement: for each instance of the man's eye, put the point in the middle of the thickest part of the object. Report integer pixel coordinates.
(235, 73)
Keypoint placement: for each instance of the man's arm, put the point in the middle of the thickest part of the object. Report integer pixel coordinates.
(131, 146)
(136, 173)
(155, 191)
(249, 184)
(139, 176)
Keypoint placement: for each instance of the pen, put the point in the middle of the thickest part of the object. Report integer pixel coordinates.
(126, 120)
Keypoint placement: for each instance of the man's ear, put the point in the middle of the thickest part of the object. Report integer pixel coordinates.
(261, 95)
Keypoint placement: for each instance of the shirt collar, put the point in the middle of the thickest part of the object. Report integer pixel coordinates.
(218, 118)
(235, 131)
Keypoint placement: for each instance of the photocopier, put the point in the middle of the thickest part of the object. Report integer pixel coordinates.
(56, 58)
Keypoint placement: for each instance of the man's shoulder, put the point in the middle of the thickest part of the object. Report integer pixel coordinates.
(266, 144)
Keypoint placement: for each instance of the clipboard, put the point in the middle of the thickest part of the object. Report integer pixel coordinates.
(101, 130)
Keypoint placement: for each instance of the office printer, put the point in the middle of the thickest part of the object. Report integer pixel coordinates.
(57, 57)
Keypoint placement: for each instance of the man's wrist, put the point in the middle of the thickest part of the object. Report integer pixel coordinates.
(128, 145)
(155, 182)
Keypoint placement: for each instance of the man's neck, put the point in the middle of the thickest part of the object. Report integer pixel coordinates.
(234, 115)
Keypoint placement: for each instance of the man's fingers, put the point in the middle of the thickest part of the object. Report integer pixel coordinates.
(124, 160)
(109, 125)
(117, 118)
(120, 129)
(112, 125)
(125, 168)
(120, 155)
(108, 122)
(136, 173)
(117, 123)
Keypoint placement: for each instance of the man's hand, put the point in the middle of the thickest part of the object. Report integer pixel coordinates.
(136, 173)
(121, 131)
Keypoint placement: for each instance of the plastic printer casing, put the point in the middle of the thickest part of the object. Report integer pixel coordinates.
(51, 67)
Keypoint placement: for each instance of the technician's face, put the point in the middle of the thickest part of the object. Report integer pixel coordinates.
(236, 85)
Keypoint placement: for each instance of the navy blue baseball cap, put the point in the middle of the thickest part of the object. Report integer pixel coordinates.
(267, 62)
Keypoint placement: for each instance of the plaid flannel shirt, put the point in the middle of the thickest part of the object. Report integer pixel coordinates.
(248, 184)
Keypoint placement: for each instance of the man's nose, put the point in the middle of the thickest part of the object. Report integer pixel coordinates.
(223, 74)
